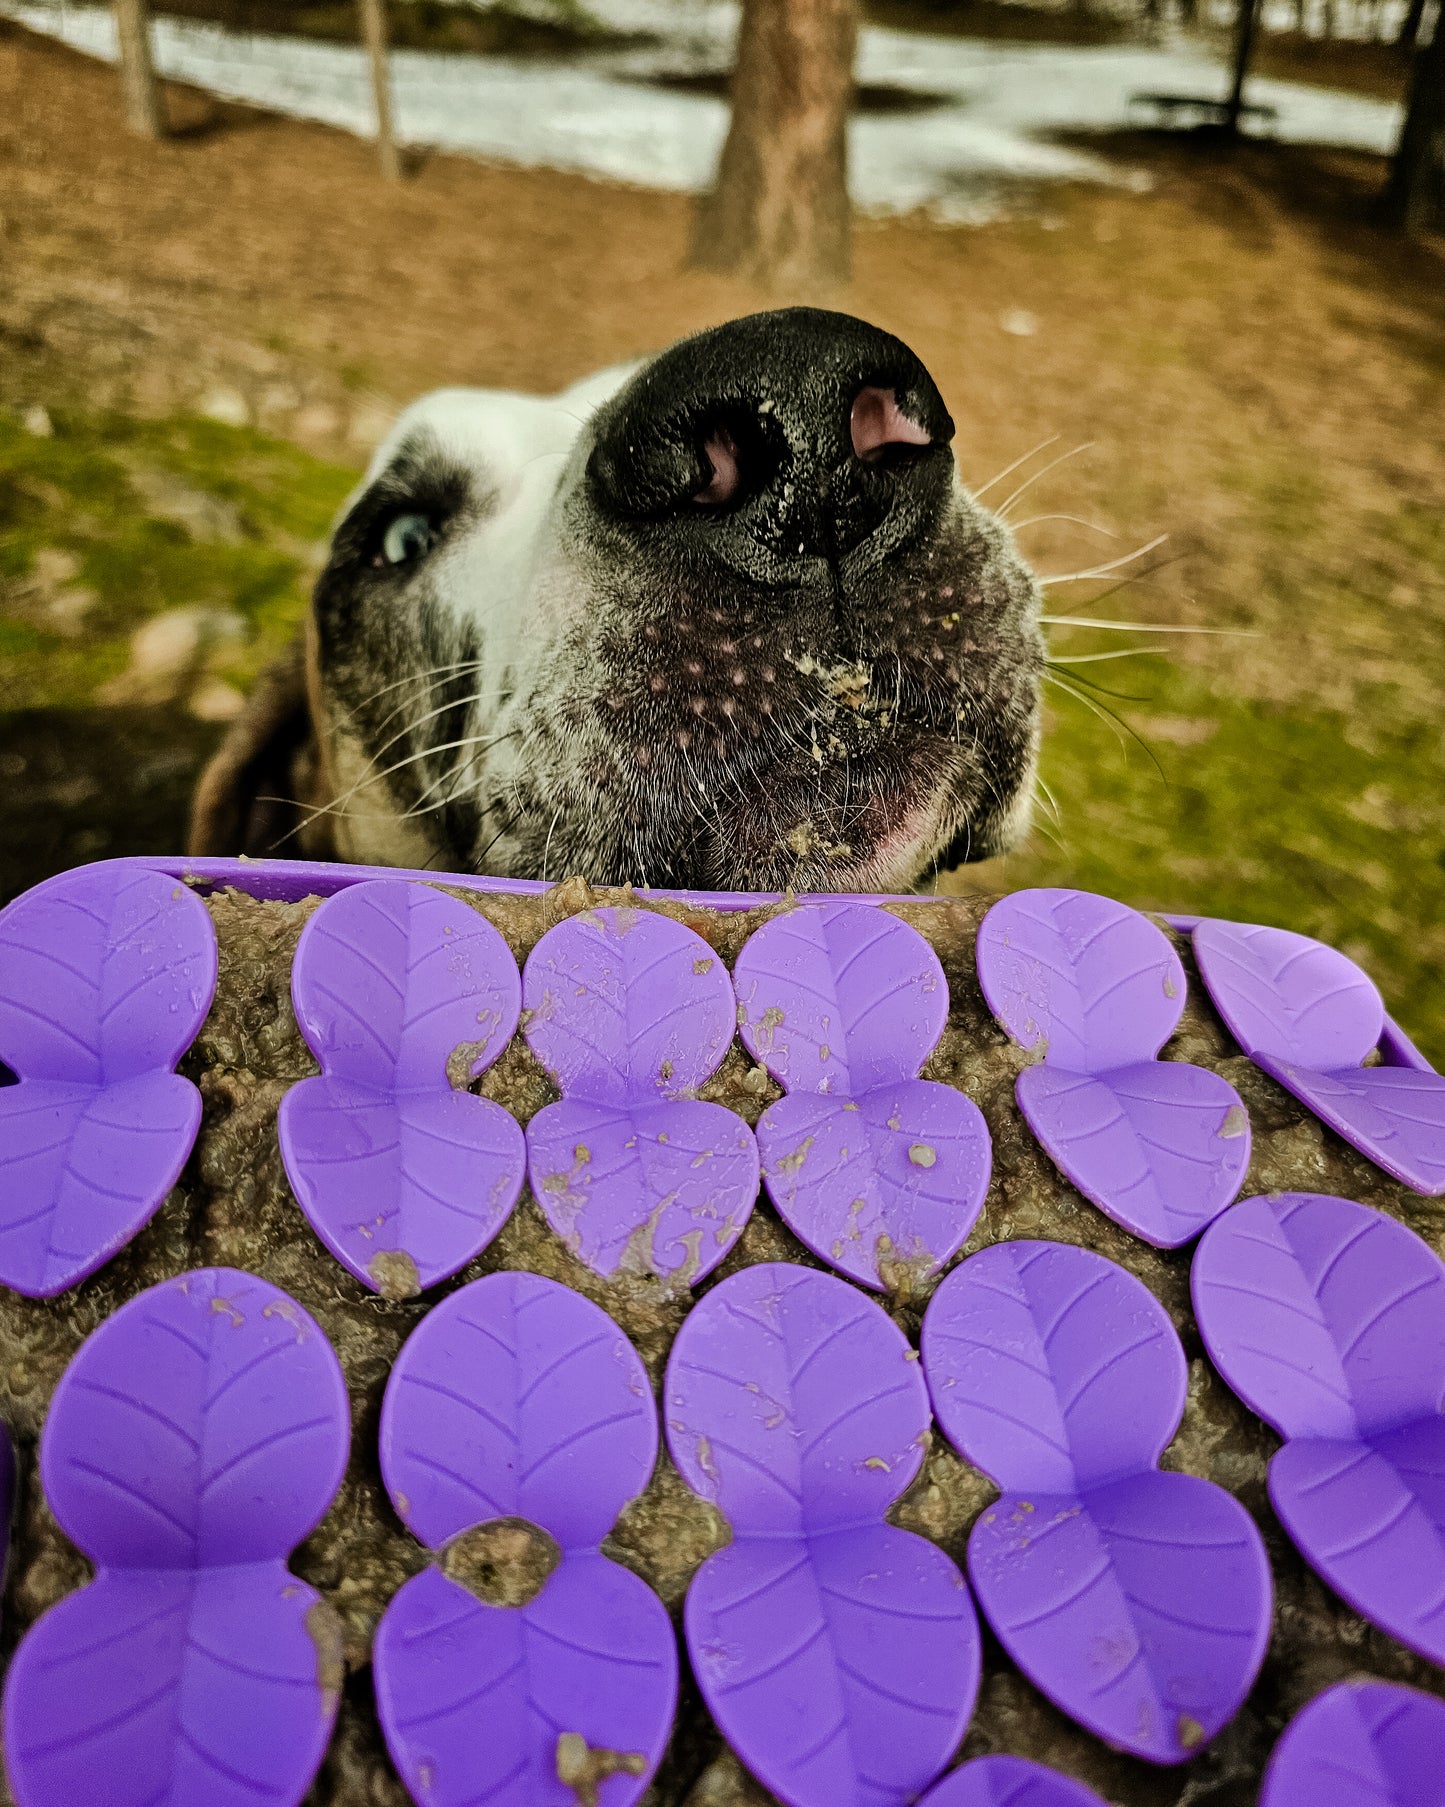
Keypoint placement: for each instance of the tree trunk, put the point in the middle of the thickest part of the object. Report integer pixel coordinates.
(1415, 195)
(1409, 34)
(373, 31)
(1243, 49)
(779, 210)
(139, 89)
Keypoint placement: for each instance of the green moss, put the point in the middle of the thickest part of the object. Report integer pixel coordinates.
(114, 520)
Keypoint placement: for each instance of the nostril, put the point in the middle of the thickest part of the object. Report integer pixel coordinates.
(720, 452)
(877, 422)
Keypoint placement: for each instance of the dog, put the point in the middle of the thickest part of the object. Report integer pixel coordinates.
(726, 619)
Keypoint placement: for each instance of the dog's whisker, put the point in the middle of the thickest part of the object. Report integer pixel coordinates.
(1009, 469)
(420, 721)
(1002, 510)
(1116, 721)
(547, 850)
(1047, 580)
(1130, 652)
(420, 808)
(1073, 519)
(337, 806)
(1142, 627)
(400, 708)
(412, 677)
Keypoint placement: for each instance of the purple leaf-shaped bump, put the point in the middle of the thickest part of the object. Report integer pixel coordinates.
(840, 998)
(518, 1399)
(793, 1403)
(624, 1004)
(106, 974)
(1091, 982)
(838, 1655)
(1366, 1743)
(1052, 1369)
(1328, 1319)
(1394, 1115)
(881, 1173)
(1308, 1016)
(1160, 1147)
(404, 995)
(1288, 997)
(1008, 1782)
(631, 1012)
(1139, 1602)
(883, 1185)
(197, 1436)
(495, 1706)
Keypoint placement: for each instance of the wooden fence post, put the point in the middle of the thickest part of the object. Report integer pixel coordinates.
(373, 30)
(139, 89)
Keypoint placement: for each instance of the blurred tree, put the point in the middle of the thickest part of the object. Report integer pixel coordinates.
(1409, 33)
(373, 31)
(778, 212)
(1415, 195)
(139, 88)
(1246, 19)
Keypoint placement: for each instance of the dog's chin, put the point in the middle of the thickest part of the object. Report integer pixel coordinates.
(866, 826)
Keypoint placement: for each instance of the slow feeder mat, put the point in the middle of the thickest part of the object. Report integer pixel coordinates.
(233, 1207)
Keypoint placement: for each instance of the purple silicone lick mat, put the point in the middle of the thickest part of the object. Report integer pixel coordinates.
(631, 1012)
(1308, 1016)
(404, 995)
(516, 1398)
(1008, 1782)
(1161, 1146)
(879, 1172)
(1363, 1744)
(1328, 1320)
(106, 974)
(838, 1655)
(197, 1436)
(1138, 1601)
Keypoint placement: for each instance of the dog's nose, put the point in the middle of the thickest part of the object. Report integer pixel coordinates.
(788, 434)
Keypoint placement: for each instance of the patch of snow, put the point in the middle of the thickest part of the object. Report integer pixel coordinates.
(601, 112)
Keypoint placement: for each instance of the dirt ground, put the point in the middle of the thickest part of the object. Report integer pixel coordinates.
(1238, 358)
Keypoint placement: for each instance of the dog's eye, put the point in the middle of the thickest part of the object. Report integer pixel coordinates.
(407, 538)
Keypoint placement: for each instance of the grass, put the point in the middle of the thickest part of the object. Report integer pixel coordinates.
(87, 553)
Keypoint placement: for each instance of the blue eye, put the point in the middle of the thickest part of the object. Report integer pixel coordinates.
(409, 537)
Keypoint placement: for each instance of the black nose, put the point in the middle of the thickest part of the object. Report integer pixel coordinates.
(796, 434)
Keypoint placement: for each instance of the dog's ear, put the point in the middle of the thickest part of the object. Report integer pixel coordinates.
(258, 794)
